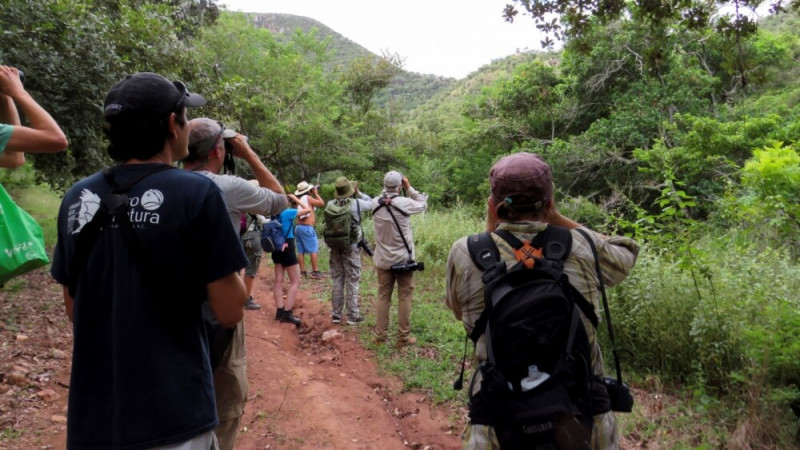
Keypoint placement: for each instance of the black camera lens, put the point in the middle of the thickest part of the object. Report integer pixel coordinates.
(364, 245)
(21, 76)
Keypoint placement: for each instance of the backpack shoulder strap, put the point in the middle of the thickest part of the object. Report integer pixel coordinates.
(557, 242)
(486, 256)
(483, 251)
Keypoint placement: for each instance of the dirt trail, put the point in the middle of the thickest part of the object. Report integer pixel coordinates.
(304, 393)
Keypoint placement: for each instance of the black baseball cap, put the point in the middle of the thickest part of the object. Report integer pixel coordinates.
(148, 95)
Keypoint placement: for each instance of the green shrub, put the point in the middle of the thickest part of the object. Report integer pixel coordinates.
(737, 305)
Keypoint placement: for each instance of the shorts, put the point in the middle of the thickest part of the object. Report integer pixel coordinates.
(287, 257)
(251, 242)
(306, 237)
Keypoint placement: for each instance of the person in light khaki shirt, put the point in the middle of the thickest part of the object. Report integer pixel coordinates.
(525, 178)
(390, 250)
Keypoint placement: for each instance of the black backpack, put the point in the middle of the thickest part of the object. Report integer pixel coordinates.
(538, 389)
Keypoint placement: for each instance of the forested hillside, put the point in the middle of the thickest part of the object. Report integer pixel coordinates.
(405, 91)
(674, 123)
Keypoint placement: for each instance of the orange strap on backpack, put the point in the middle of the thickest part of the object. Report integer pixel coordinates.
(527, 253)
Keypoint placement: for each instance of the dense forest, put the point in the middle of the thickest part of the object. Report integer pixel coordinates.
(669, 122)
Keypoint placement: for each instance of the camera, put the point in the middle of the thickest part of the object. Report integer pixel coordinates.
(21, 76)
(408, 266)
(364, 245)
(620, 395)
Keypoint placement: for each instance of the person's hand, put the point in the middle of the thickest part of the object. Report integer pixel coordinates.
(285, 246)
(10, 84)
(355, 187)
(406, 184)
(240, 146)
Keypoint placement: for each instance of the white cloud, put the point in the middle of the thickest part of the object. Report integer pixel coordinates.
(443, 38)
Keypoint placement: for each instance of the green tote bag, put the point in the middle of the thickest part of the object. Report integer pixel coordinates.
(21, 240)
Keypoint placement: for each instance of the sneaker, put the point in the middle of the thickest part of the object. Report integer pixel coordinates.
(336, 318)
(251, 304)
(355, 320)
(279, 314)
(411, 340)
(288, 317)
(317, 275)
(304, 274)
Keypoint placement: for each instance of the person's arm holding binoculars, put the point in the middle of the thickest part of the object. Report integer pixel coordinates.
(43, 136)
(240, 148)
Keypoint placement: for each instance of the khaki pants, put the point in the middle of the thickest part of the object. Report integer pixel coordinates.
(345, 273)
(405, 292)
(230, 388)
(226, 433)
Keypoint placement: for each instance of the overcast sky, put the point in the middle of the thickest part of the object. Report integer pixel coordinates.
(448, 38)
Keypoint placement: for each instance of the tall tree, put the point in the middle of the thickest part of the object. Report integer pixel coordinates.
(73, 51)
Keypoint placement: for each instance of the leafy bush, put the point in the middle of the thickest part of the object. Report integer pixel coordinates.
(768, 201)
(737, 306)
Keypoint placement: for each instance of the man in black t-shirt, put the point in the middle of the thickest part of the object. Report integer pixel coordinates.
(141, 375)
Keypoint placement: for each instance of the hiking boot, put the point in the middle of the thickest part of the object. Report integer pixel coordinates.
(251, 304)
(317, 275)
(355, 320)
(288, 317)
(411, 340)
(279, 314)
(335, 318)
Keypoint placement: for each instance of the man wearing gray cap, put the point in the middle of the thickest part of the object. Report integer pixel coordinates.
(394, 256)
(140, 247)
(207, 150)
(521, 204)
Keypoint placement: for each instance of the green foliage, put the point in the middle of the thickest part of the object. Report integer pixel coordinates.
(366, 76)
(73, 51)
(654, 124)
(683, 323)
(435, 233)
(768, 200)
(406, 90)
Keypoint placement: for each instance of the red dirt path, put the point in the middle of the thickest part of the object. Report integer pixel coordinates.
(304, 393)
